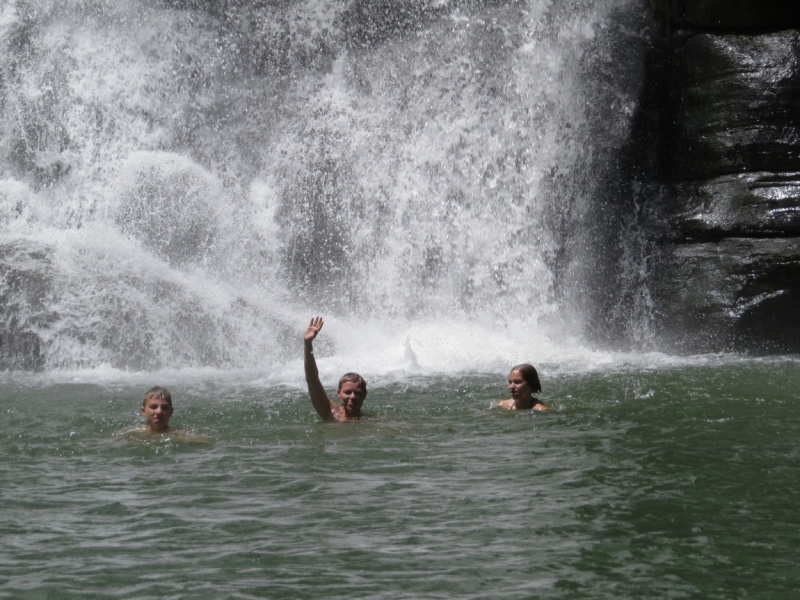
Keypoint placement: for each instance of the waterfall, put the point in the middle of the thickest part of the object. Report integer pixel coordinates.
(184, 183)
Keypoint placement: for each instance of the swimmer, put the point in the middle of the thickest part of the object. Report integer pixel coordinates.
(352, 389)
(157, 410)
(523, 383)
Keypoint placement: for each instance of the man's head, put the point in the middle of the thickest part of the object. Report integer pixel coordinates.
(352, 392)
(157, 408)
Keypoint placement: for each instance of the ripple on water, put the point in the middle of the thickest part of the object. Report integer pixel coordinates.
(616, 493)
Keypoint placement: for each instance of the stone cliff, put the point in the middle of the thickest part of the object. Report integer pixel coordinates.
(727, 275)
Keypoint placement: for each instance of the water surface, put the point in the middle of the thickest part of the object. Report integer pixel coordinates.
(677, 482)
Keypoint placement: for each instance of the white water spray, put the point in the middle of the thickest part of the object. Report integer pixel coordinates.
(185, 188)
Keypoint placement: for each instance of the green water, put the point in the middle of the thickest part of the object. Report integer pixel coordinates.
(676, 482)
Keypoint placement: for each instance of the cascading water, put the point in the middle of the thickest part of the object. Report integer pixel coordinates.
(185, 183)
(457, 186)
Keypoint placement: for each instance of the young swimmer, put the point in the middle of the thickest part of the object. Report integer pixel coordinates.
(157, 410)
(523, 383)
(352, 389)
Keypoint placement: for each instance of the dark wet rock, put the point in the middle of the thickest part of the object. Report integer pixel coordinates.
(741, 205)
(737, 294)
(738, 105)
(728, 213)
(753, 16)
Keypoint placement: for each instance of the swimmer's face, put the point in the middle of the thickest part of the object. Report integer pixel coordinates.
(157, 413)
(518, 387)
(352, 396)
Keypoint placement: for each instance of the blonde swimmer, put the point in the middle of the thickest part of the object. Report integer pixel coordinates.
(352, 390)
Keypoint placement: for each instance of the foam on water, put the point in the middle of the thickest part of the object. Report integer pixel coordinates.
(183, 189)
(386, 368)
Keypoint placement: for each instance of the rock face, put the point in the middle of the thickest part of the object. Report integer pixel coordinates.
(753, 16)
(729, 273)
(739, 104)
(24, 281)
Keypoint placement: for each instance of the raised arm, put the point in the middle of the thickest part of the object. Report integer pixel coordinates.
(319, 398)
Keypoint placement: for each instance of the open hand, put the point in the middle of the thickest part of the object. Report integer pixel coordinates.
(313, 329)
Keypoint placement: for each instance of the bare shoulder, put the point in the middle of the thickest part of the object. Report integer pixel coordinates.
(539, 406)
(337, 414)
(183, 435)
(187, 435)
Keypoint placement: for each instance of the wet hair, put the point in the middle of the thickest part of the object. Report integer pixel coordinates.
(354, 377)
(530, 376)
(158, 393)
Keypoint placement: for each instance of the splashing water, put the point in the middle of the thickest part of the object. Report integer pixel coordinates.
(184, 185)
